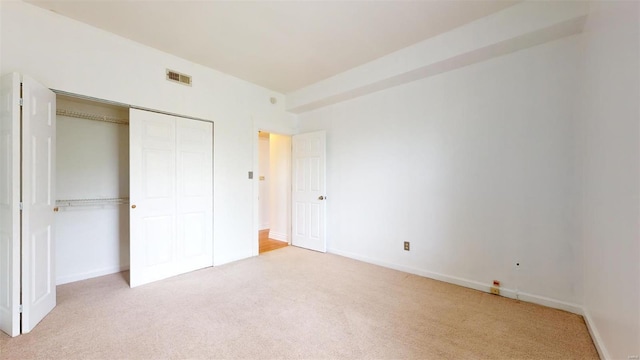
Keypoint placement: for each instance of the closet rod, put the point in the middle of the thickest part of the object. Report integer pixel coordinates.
(95, 117)
(91, 202)
(103, 101)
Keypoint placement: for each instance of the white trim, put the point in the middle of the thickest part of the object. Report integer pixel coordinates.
(91, 274)
(278, 236)
(484, 287)
(595, 335)
(549, 302)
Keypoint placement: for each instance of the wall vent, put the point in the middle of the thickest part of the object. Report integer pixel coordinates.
(178, 77)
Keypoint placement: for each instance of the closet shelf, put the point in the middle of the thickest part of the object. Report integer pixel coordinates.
(95, 117)
(91, 202)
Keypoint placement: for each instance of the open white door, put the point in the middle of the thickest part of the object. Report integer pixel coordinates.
(38, 198)
(10, 204)
(309, 191)
(171, 214)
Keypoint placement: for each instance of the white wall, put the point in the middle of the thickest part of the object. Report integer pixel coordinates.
(475, 167)
(280, 187)
(67, 55)
(609, 117)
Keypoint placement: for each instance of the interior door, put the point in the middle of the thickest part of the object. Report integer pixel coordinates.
(171, 192)
(38, 198)
(9, 204)
(309, 190)
(195, 194)
(152, 169)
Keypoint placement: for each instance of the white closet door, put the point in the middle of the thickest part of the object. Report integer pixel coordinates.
(152, 169)
(9, 204)
(309, 187)
(195, 194)
(171, 184)
(38, 197)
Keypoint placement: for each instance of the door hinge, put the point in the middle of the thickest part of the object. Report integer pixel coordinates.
(21, 206)
(21, 101)
(20, 308)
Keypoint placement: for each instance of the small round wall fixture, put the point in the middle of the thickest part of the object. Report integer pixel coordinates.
(273, 100)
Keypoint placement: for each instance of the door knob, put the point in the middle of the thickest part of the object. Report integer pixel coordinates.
(321, 197)
(55, 209)
(133, 206)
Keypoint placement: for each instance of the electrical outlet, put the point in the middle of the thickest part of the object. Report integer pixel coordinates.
(496, 283)
(495, 290)
(407, 246)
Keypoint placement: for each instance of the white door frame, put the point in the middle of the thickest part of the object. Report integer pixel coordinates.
(256, 186)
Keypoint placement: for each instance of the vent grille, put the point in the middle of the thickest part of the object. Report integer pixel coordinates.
(178, 77)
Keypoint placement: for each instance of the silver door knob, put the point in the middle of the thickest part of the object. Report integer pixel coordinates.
(321, 197)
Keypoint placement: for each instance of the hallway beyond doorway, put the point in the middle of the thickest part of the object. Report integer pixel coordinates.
(267, 244)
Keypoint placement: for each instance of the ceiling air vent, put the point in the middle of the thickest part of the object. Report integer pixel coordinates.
(178, 77)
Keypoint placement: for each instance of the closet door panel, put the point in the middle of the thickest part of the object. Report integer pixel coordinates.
(195, 194)
(9, 204)
(38, 197)
(153, 248)
(172, 190)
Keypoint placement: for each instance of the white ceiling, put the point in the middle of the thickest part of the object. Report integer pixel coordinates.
(281, 45)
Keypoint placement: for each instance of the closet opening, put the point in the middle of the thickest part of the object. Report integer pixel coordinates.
(92, 189)
(274, 191)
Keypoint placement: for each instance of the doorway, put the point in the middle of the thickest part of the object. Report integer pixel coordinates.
(274, 191)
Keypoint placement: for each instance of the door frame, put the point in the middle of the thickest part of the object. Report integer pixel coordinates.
(255, 242)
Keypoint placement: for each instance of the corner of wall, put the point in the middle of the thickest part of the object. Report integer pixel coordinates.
(595, 335)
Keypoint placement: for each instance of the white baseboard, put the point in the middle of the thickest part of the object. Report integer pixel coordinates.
(91, 274)
(510, 293)
(595, 335)
(549, 302)
(278, 236)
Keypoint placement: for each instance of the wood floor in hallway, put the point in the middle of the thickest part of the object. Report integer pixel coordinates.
(267, 244)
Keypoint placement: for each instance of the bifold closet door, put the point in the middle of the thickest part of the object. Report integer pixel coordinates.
(27, 261)
(171, 215)
(38, 199)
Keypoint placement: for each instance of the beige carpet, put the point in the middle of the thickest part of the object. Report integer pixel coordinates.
(293, 303)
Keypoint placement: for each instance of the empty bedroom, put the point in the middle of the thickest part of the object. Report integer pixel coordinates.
(319, 179)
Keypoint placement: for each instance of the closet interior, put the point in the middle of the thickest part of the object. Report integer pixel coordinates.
(92, 189)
